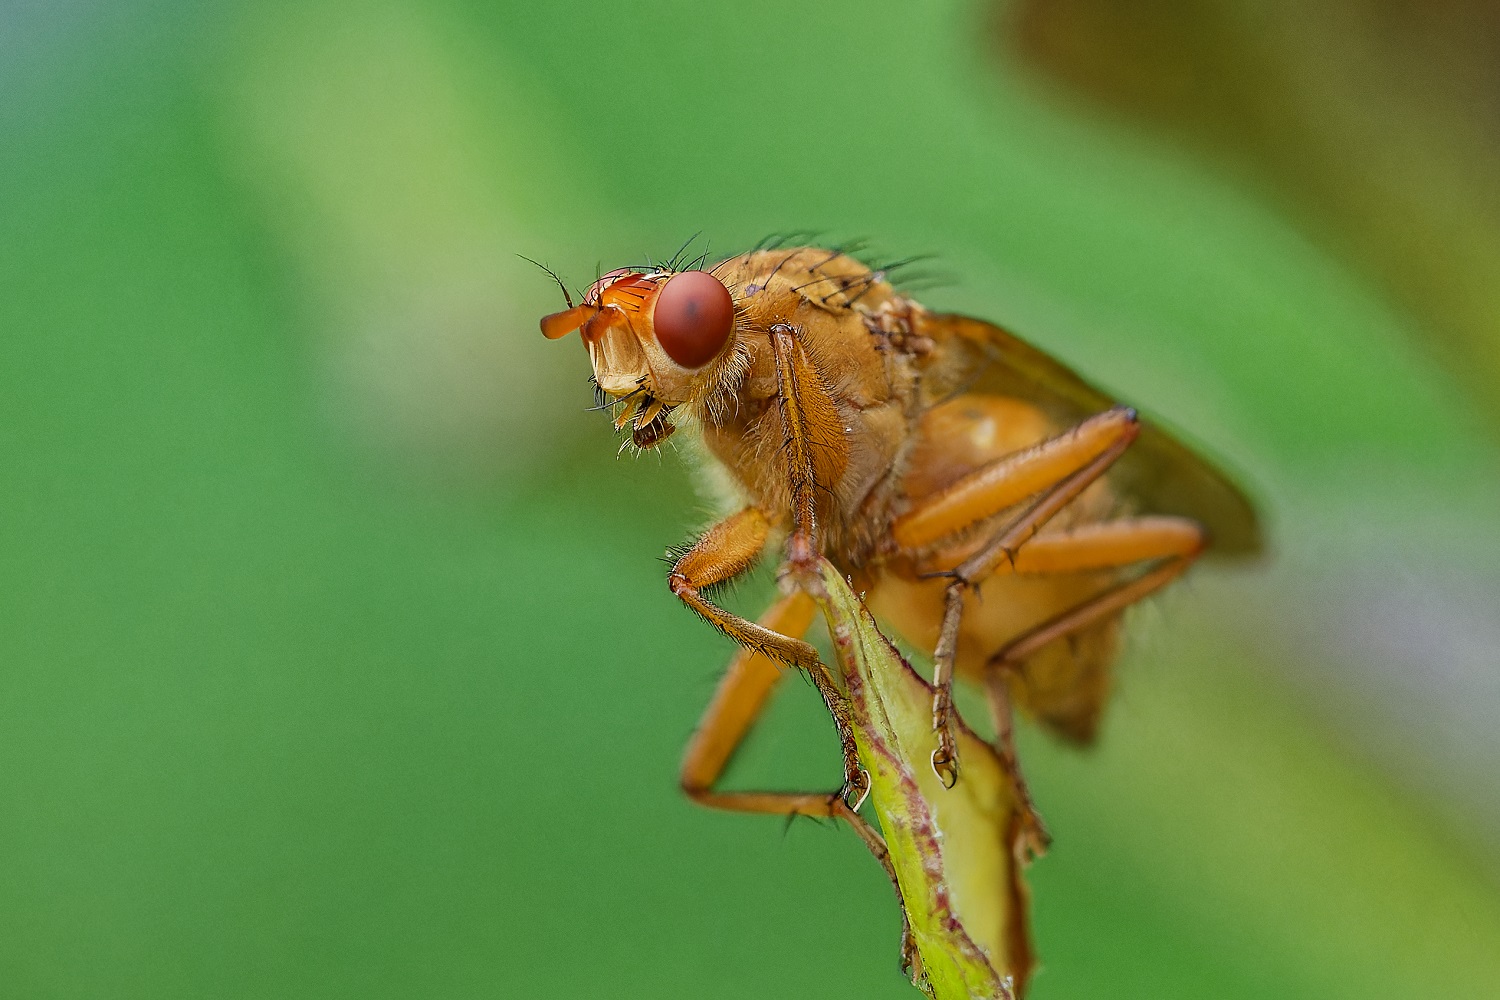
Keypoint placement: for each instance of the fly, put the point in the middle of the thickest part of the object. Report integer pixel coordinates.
(925, 455)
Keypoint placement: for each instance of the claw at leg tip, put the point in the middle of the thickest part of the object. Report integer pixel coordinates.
(945, 766)
(865, 790)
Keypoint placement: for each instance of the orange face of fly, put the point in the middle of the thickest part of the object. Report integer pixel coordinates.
(653, 339)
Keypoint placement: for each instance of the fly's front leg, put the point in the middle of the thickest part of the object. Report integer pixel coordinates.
(725, 551)
(815, 446)
(1055, 471)
(732, 546)
(816, 452)
(815, 449)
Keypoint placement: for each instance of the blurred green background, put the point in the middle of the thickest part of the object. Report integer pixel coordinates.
(337, 658)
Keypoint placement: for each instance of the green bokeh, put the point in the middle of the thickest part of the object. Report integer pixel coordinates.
(291, 706)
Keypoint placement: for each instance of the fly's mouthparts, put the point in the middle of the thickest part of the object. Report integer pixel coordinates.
(649, 412)
(643, 410)
(651, 433)
(631, 403)
(647, 418)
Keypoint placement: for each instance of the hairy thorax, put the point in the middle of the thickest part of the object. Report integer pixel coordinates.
(904, 432)
(858, 388)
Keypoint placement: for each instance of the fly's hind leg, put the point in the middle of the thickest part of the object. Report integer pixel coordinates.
(1166, 545)
(1034, 836)
(1054, 472)
(1171, 543)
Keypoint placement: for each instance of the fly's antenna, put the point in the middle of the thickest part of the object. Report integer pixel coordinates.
(566, 297)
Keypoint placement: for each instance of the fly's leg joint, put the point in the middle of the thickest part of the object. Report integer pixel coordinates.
(802, 560)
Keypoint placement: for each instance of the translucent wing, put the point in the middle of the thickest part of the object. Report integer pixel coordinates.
(1159, 474)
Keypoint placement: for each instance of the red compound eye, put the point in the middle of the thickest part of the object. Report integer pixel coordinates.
(693, 318)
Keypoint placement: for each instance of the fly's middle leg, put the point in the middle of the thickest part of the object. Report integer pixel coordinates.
(1054, 473)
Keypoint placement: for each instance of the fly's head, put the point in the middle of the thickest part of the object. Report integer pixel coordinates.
(658, 340)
